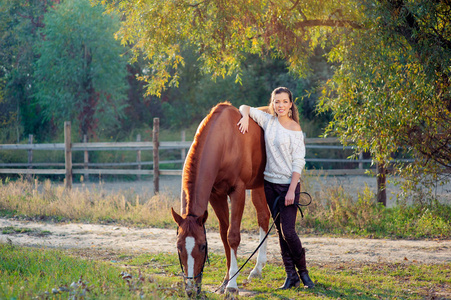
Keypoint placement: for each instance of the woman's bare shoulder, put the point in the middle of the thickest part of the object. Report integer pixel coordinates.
(295, 126)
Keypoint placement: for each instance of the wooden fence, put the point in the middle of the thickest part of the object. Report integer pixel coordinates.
(156, 146)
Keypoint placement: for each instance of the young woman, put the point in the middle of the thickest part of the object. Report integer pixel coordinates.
(285, 152)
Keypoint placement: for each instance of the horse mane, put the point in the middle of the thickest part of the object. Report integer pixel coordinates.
(190, 169)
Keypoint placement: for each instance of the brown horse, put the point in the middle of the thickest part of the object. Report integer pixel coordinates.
(221, 162)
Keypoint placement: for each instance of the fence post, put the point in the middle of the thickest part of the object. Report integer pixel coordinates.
(361, 158)
(381, 183)
(68, 154)
(156, 158)
(138, 155)
(30, 155)
(183, 153)
(86, 158)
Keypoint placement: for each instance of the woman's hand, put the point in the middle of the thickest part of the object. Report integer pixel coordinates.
(289, 198)
(243, 124)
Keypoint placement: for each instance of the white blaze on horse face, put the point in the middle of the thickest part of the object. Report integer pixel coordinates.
(189, 245)
(233, 269)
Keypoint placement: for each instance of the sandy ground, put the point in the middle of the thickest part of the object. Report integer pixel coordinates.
(153, 240)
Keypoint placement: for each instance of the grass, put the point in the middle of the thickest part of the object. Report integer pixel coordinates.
(52, 202)
(34, 232)
(28, 273)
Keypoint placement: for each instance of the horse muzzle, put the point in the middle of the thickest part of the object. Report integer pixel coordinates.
(193, 287)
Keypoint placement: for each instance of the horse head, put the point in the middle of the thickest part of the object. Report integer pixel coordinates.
(192, 249)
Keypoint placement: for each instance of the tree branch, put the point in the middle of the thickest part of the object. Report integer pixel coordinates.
(330, 23)
(294, 5)
(196, 4)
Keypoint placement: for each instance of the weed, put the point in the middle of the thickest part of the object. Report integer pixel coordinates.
(16, 230)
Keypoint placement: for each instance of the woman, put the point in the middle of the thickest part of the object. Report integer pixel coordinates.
(285, 151)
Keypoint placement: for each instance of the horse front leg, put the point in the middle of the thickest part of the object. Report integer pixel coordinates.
(237, 199)
(263, 215)
(221, 208)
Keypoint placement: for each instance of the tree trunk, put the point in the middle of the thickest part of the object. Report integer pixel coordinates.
(381, 184)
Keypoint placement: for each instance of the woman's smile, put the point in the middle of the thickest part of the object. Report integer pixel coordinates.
(282, 104)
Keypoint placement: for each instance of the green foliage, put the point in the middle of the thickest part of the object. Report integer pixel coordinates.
(27, 108)
(392, 88)
(80, 75)
(224, 34)
(196, 93)
(391, 84)
(19, 23)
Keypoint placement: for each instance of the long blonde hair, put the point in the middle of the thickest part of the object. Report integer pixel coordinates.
(294, 110)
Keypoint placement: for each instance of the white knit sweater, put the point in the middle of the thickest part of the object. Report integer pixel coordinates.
(285, 149)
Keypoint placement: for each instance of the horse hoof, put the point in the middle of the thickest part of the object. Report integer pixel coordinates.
(221, 290)
(254, 274)
(231, 293)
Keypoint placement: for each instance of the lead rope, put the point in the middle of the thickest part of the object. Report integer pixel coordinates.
(264, 239)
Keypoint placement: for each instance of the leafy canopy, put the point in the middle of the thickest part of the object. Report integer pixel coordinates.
(223, 31)
(391, 86)
(19, 23)
(80, 74)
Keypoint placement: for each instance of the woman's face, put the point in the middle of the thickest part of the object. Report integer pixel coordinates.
(282, 104)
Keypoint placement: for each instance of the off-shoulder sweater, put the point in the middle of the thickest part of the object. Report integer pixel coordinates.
(285, 149)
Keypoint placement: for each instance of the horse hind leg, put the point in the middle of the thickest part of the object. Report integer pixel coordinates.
(259, 201)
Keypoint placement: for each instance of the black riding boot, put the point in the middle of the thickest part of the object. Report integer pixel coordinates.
(301, 265)
(292, 279)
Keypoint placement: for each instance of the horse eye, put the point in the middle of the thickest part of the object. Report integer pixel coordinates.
(203, 247)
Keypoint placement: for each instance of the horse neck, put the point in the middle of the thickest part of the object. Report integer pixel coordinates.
(200, 184)
(200, 174)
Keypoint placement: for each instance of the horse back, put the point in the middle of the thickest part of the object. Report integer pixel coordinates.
(243, 156)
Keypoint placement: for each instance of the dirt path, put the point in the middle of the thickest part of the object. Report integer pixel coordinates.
(152, 240)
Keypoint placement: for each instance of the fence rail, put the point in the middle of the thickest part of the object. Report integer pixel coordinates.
(68, 168)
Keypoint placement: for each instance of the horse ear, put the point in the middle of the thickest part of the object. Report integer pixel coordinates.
(177, 218)
(202, 219)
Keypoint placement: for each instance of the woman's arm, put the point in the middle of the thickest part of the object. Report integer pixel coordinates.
(243, 124)
(289, 198)
(264, 108)
(257, 114)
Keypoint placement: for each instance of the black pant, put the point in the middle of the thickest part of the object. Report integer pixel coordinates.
(285, 223)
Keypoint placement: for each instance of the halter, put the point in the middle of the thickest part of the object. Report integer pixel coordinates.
(185, 278)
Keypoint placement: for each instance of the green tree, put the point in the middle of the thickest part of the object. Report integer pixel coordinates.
(19, 24)
(391, 85)
(392, 89)
(80, 75)
(196, 93)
